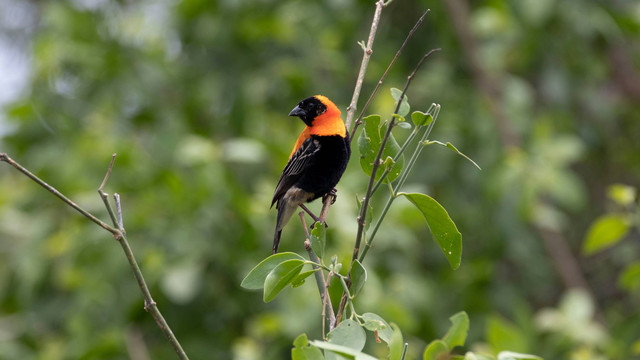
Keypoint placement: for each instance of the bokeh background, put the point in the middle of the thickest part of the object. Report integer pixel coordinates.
(193, 95)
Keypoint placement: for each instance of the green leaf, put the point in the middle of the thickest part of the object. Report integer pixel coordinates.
(255, 279)
(630, 277)
(622, 194)
(421, 119)
(404, 125)
(299, 280)
(473, 356)
(510, 355)
(369, 143)
(396, 344)
(318, 239)
(400, 118)
(605, 232)
(348, 333)
(457, 334)
(301, 340)
(503, 334)
(436, 350)
(358, 277)
(404, 107)
(444, 230)
(343, 351)
(281, 276)
(302, 350)
(373, 322)
(450, 146)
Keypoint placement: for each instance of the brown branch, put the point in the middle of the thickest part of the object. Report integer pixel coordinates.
(4, 157)
(351, 109)
(119, 235)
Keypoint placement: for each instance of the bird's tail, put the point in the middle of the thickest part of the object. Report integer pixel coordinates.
(285, 211)
(276, 240)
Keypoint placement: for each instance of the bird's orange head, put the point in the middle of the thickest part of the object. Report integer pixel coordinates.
(321, 115)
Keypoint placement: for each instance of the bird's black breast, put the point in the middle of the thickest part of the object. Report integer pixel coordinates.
(328, 165)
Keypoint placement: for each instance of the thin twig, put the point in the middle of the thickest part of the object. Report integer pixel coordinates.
(376, 164)
(377, 161)
(400, 182)
(331, 317)
(149, 304)
(384, 76)
(4, 157)
(106, 177)
(104, 196)
(320, 282)
(351, 109)
(116, 197)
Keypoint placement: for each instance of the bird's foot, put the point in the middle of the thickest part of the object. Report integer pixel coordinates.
(333, 194)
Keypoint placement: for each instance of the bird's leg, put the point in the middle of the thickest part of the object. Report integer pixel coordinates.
(315, 218)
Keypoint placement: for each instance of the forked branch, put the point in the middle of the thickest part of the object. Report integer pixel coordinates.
(118, 233)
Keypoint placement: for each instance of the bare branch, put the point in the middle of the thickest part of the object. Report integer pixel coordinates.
(106, 177)
(149, 303)
(116, 197)
(368, 50)
(104, 196)
(4, 157)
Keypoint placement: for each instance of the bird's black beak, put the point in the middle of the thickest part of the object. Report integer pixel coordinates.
(297, 111)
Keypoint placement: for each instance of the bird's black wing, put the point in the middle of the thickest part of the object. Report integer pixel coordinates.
(299, 161)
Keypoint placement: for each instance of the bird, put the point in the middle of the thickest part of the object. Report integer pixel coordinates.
(317, 161)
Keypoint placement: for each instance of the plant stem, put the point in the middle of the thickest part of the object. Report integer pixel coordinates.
(393, 194)
(376, 164)
(320, 282)
(386, 172)
(118, 234)
(351, 109)
(149, 304)
(104, 196)
(4, 157)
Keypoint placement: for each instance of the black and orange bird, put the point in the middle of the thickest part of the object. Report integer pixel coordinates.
(317, 161)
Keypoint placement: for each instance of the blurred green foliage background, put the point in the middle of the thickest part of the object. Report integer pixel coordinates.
(193, 95)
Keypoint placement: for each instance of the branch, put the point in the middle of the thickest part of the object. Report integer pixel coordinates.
(320, 282)
(351, 109)
(376, 164)
(384, 76)
(119, 235)
(4, 157)
(105, 197)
